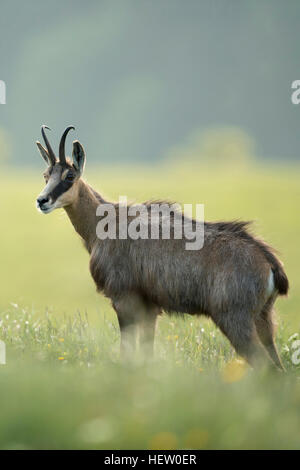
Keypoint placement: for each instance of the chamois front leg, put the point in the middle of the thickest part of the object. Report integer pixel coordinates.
(128, 309)
(147, 329)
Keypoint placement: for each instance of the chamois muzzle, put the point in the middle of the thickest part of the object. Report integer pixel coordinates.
(41, 201)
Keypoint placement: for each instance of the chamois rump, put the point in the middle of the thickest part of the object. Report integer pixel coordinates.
(234, 279)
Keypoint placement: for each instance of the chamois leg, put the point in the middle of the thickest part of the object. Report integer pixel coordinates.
(147, 330)
(128, 308)
(241, 332)
(128, 332)
(265, 331)
(131, 311)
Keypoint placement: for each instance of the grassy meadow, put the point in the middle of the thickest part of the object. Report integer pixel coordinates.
(64, 386)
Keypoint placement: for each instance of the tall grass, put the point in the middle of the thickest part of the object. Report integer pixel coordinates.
(64, 386)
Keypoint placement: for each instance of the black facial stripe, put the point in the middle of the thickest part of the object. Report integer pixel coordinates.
(61, 188)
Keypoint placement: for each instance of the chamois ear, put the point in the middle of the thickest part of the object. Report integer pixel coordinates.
(44, 153)
(78, 156)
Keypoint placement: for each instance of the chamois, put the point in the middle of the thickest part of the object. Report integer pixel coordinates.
(234, 279)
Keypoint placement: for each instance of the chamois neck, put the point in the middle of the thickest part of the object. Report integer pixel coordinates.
(82, 213)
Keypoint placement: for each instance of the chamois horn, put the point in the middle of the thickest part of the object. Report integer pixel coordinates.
(62, 155)
(51, 154)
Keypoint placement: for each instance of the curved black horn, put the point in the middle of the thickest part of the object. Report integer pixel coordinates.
(62, 156)
(50, 151)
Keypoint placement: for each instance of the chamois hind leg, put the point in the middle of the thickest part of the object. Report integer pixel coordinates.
(128, 308)
(265, 330)
(147, 329)
(240, 329)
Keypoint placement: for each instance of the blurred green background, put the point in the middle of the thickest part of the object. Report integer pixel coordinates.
(139, 77)
(189, 101)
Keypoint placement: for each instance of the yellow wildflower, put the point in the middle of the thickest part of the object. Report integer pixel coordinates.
(234, 371)
(196, 439)
(163, 441)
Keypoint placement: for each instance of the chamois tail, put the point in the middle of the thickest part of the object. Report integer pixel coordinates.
(281, 281)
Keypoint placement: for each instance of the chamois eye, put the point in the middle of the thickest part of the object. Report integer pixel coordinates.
(70, 177)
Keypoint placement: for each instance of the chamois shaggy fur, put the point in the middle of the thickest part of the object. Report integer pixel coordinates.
(234, 279)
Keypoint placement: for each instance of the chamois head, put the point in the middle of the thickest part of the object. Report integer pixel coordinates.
(62, 174)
